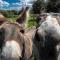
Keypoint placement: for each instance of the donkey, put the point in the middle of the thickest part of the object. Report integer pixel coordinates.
(47, 38)
(14, 43)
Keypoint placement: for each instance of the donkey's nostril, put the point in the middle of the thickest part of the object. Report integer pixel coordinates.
(20, 58)
(1, 57)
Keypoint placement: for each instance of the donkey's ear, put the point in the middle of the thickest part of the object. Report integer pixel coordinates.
(22, 17)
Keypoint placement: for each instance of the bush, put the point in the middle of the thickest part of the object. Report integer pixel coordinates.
(31, 21)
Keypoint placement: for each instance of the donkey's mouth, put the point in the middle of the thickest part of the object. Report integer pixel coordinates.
(11, 50)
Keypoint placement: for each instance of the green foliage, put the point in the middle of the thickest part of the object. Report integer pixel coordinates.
(8, 13)
(32, 21)
(13, 15)
(38, 6)
(13, 18)
(53, 6)
(48, 6)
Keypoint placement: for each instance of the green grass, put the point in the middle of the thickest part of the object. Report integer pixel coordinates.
(30, 22)
(12, 19)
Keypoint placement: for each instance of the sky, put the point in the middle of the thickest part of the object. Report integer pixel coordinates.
(14, 4)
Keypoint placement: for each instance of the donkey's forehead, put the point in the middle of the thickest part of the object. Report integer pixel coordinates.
(12, 25)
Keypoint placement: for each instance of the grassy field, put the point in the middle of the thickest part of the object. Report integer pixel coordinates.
(13, 18)
(30, 22)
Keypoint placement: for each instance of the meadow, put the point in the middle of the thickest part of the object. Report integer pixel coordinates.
(30, 22)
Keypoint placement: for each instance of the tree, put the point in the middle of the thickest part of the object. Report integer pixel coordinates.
(53, 6)
(38, 6)
(58, 6)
